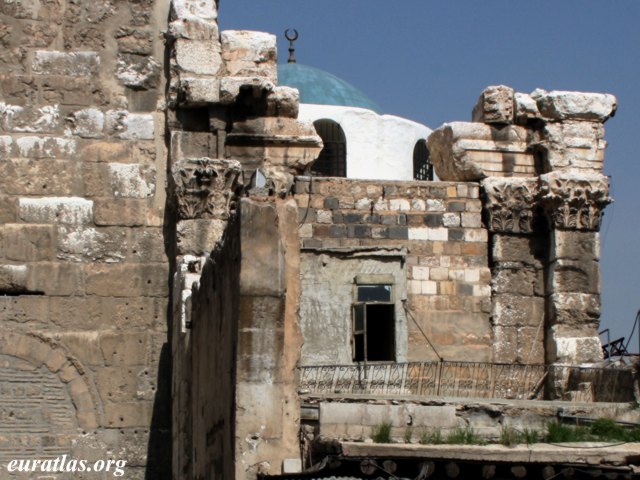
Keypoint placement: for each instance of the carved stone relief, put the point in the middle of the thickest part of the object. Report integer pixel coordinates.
(574, 202)
(205, 188)
(510, 203)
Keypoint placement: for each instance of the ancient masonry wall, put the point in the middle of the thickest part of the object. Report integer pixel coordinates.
(446, 254)
(83, 264)
(227, 119)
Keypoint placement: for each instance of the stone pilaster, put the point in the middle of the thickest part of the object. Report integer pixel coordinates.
(573, 205)
(518, 312)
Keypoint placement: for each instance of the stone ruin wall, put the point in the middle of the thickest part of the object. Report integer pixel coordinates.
(118, 186)
(538, 159)
(84, 267)
(228, 119)
(438, 232)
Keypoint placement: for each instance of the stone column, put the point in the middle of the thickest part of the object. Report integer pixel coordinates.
(573, 204)
(517, 252)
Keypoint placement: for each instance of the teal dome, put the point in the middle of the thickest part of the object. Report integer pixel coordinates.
(322, 88)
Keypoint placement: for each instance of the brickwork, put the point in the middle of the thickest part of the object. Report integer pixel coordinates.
(447, 267)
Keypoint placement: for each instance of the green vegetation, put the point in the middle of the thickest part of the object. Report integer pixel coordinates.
(408, 434)
(559, 433)
(530, 436)
(464, 436)
(601, 430)
(382, 433)
(510, 436)
(431, 437)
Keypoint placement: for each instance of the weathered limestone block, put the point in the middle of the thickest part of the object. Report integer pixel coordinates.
(44, 147)
(128, 212)
(120, 180)
(573, 145)
(185, 145)
(127, 280)
(66, 210)
(524, 345)
(130, 126)
(6, 146)
(205, 188)
(55, 278)
(194, 10)
(495, 105)
(247, 53)
(137, 41)
(516, 311)
(106, 244)
(282, 142)
(198, 92)
(13, 278)
(34, 177)
(579, 276)
(29, 242)
(130, 180)
(525, 108)
(573, 350)
(194, 28)
(572, 309)
(510, 204)
(64, 90)
(516, 279)
(106, 152)
(571, 246)
(74, 64)
(199, 57)
(283, 102)
(574, 201)
(463, 151)
(521, 250)
(230, 87)
(139, 72)
(561, 105)
(18, 119)
(199, 236)
(86, 123)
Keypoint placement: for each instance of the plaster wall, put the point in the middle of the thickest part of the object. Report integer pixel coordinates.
(378, 146)
(327, 282)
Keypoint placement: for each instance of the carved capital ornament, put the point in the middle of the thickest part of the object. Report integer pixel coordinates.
(509, 204)
(574, 202)
(205, 188)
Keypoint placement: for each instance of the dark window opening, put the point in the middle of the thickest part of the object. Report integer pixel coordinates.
(422, 166)
(332, 161)
(373, 324)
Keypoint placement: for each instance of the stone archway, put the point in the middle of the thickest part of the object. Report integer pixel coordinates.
(44, 398)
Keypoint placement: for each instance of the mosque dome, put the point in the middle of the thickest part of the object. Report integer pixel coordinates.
(322, 88)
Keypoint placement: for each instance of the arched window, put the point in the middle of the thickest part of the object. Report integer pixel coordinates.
(332, 161)
(422, 166)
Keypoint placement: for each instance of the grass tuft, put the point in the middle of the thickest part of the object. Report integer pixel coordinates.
(431, 437)
(382, 433)
(408, 434)
(464, 436)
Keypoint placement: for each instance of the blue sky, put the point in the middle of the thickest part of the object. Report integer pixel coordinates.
(429, 60)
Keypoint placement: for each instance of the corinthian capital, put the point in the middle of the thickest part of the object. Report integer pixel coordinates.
(574, 201)
(205, 187)
(509, 203)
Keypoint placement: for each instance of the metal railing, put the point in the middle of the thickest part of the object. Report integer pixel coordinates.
(472, 380)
